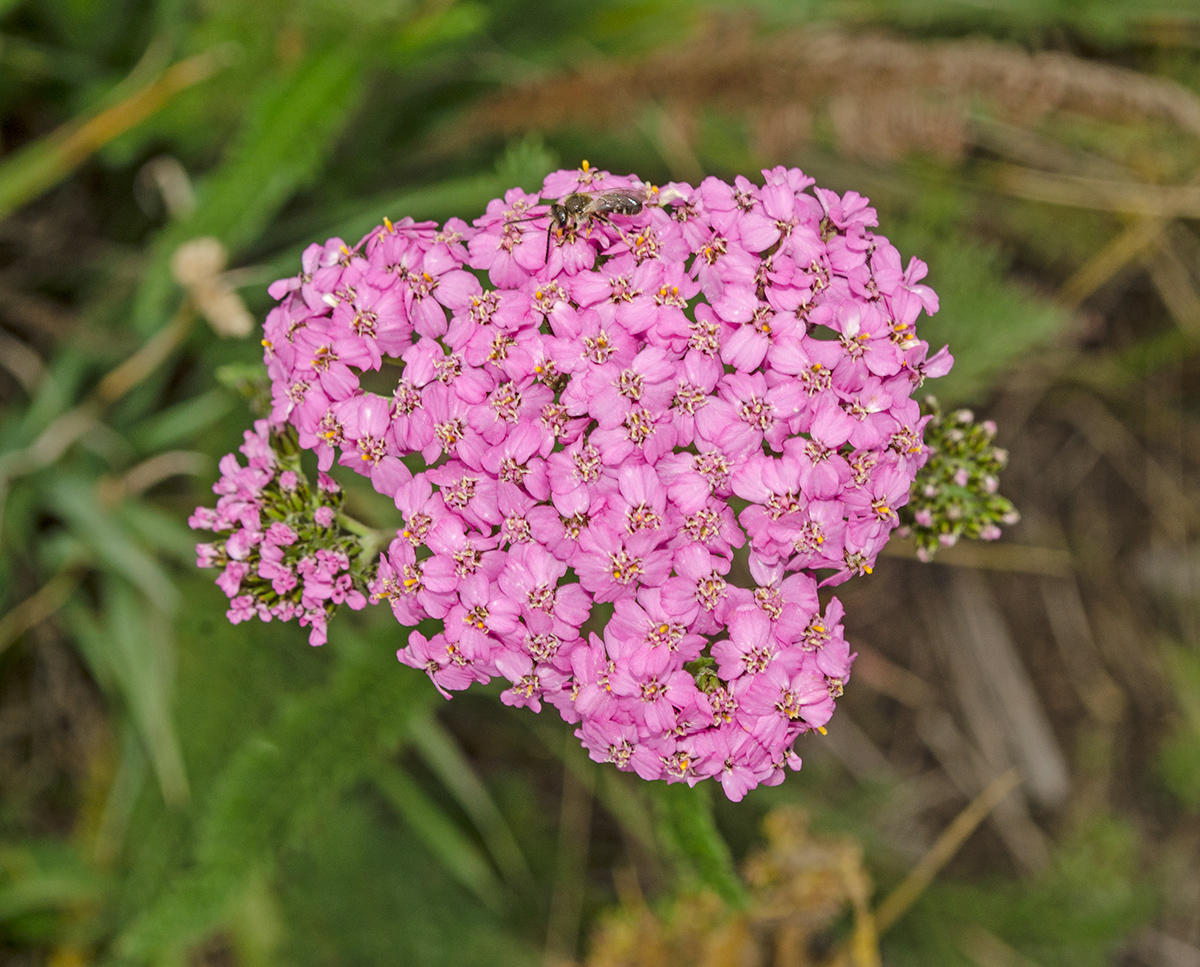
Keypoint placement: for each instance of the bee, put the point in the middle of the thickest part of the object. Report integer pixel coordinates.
(582, 207)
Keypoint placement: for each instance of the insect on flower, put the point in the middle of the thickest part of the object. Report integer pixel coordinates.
(580, 208)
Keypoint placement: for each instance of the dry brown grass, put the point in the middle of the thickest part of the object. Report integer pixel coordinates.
(883, 96)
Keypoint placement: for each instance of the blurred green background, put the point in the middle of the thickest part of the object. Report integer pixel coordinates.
(178, 791)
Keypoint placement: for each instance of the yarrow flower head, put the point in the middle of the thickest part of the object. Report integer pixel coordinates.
(605, 400)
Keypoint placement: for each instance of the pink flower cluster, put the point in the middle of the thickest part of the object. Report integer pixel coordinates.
(589, 423)
(280, 555)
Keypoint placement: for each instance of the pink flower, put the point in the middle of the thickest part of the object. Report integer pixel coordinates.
(441, 660)
(652, 391)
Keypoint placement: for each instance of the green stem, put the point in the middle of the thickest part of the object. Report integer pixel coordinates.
(370, 539)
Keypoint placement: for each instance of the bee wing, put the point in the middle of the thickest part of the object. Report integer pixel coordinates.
(636, 190)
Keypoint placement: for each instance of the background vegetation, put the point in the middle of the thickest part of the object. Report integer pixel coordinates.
(175, 790)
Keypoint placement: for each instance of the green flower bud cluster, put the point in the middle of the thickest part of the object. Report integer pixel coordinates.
(283, 551)
(956, 494)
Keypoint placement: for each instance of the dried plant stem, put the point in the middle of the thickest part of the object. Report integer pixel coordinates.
(1002, 707)
(1010, 558)
(22, 362)
(883, 95)
(1100, 194)
(53, 441)
(897, 903)
(1124, 248)
(37, 607)
(892, 680)
(152, 471)
(988, 950)
(119, 381)
(864, 940)
(50, 444)
(1173, 511)
(68, 427)
(966, 767)
(42, 164)
(1174, 284)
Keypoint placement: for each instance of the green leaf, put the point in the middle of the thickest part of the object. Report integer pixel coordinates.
(444, 25)
(163, 532)
(461, 858)
(39, 875)
(111, 545)
(1179, 754)
(288, 131)
(524, 163)
(131, 649)
(133, 769)
(366, 892)
(180, 423)
(688, 830)
(445, 759)
(277, 784)
(462, 195)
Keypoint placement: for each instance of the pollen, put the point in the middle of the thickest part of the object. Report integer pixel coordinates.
(387, 223)
(822, 730)
(585, 166)
(344, 250)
